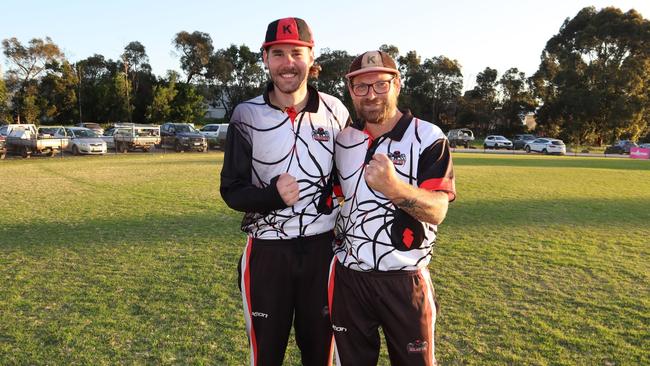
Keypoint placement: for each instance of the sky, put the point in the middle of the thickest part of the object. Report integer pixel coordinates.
(477, 33)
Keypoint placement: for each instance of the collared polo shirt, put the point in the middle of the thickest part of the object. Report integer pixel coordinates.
(372, 233)
(263, 142)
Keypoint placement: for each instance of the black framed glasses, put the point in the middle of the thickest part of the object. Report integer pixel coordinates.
(380, 87)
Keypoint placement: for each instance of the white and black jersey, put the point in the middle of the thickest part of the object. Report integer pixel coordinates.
(372, 233)
(264, 142)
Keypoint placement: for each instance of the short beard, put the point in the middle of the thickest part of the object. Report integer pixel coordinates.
(283, 86)
(377, 117)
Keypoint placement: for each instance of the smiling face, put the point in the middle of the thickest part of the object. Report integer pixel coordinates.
(288, 66)
(375, 108)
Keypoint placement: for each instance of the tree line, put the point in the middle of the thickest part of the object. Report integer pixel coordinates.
(592, 85)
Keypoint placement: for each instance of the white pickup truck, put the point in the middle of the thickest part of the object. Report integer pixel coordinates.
(24, 139)
(125, 137)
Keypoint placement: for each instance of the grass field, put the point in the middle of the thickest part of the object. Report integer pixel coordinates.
(131, 259)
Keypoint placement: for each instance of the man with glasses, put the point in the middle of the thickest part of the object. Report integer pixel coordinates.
(396, 176)
(277, 168)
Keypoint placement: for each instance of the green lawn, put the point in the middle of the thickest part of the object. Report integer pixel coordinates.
(131, 259)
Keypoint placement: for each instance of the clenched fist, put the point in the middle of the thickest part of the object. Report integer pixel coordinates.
(288, 188)
(380, 175)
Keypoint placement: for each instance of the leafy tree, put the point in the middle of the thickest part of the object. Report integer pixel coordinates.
(331, 79)
(594, 77)
(478, 106)
(119, 102)
(444, 88)
(4, 100)
(431, 88)
(58, 96)
(95, 84)
(160, 109)
(29, 62)
(196, 51)
(517, 101)
(236, 74)
(136, 65)
(188, 104)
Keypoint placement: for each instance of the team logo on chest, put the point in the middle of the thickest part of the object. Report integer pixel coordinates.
(320, 134)
(397, 157)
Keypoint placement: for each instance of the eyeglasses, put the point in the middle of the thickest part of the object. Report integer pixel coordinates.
(380, 87)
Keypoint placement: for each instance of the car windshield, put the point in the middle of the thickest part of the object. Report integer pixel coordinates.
(85, 133)
(185, 128)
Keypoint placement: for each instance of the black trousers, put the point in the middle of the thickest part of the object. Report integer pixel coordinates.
(284, 282)
(401, 302)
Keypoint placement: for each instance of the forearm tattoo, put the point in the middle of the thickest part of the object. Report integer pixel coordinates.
(413, 208)
(406, 203)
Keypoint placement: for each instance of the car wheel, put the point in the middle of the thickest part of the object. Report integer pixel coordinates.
(545, 152)
(51, 153)
(75, 150)
(123, 148)
(25, 152)
(178, 147)
(527, 148)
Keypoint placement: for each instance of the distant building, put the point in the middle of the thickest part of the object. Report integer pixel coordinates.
(530, 122)
(215, 110)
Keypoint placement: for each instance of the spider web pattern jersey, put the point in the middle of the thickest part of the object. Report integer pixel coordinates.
(264, 142)
(372, 233)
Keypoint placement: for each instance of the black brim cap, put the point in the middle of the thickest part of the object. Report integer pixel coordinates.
(288, 31)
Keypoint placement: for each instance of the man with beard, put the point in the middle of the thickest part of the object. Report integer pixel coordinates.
(277, 168)
(396, 176)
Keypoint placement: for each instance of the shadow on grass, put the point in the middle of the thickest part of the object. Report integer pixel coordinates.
(550, 162)
(225, 225)
(152, 229)
(545, 212)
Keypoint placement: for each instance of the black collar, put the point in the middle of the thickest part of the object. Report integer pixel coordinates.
(398, 130)
(312, 98)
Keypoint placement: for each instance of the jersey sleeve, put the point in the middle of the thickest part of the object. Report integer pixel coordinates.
(436, 170)
(237, 189)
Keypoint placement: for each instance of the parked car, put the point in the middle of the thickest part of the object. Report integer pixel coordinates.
(3, 138)
(130, 136)
(92, 126)
(497, 142)
(24, 139)
(460, 136)
(519, 141)
(216, 134)
(81, 140)
(620, 147)
(546, 146)
(182, 137)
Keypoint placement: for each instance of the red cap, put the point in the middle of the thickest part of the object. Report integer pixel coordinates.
(288, 30)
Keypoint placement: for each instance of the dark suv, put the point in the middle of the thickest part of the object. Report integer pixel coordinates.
(182, 137)
(620, 147)
(519, 141)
